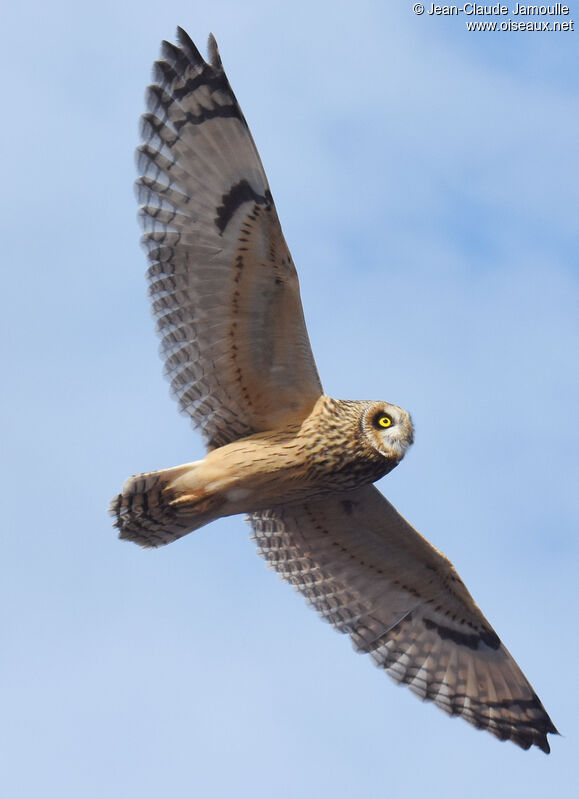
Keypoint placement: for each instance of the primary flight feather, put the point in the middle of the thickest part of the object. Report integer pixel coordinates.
(225, 294)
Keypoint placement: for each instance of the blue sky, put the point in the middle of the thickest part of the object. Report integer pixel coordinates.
(427, 182)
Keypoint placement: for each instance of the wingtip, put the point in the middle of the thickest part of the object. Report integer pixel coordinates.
(188, 46)
(551, 730)
(535, 737)
(213, 49)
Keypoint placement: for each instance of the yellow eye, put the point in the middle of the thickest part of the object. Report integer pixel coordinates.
(384, 421)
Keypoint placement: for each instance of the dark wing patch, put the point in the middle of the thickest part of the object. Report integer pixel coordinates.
(238, 195)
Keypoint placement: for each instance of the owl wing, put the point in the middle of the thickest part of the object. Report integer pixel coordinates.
(368, 572)
(222, 283)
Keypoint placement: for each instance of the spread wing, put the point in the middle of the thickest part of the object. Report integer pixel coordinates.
(223, 286)
(373, 576)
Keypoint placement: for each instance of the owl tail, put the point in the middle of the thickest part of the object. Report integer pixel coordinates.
(153, 509)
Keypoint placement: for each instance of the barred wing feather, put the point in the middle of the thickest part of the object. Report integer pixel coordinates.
(371, 575)
(222, 282)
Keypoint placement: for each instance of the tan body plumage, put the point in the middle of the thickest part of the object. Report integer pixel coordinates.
(336, 448)
(225, 294)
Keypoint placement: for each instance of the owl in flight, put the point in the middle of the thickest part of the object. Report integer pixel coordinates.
(225, 294)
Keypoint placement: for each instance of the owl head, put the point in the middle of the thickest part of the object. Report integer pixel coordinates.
(388, 429)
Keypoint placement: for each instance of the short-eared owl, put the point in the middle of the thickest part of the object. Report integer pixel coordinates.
(225, 294)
